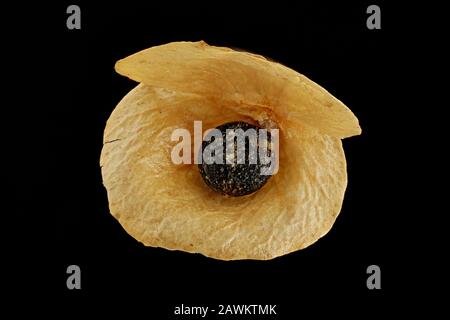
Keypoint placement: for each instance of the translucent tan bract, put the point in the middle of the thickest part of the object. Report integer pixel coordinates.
(244, 78)
(166, 205)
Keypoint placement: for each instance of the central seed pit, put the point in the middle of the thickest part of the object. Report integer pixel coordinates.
(240, 165)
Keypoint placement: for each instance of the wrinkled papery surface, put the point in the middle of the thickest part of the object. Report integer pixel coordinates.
(167, 205)
(247, 80)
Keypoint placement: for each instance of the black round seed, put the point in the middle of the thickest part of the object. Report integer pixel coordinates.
(235, 175)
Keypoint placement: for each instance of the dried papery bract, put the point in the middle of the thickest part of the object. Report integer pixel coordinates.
(166, 205)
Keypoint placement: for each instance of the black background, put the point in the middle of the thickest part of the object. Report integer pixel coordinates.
(328, 43)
